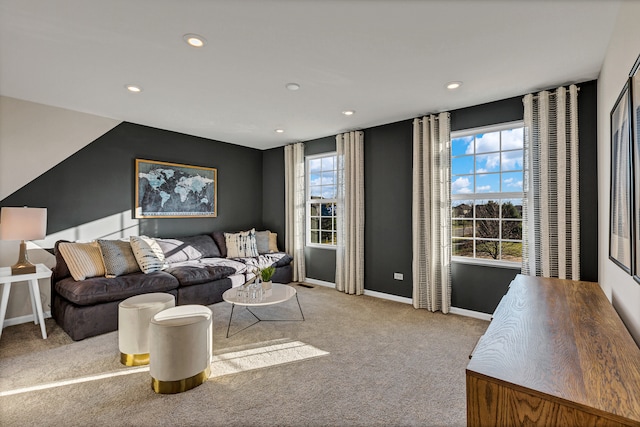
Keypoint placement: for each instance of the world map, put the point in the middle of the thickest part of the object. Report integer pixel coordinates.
(167, 190)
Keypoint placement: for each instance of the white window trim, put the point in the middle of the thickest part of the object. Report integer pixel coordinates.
(308, 202)
(488, 196)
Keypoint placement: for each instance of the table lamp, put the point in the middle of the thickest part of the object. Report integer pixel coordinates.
(23, 224)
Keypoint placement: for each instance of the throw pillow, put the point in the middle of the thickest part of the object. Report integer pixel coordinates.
(262, 242)
(218, 237)
(241, 245)
(188, 248)
(273, 242)
(118, 258)
(83, 259)
(148, 254)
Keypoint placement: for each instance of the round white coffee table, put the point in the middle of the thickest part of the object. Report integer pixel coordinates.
(279, 293)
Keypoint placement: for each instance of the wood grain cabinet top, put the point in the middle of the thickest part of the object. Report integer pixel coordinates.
(555, 353)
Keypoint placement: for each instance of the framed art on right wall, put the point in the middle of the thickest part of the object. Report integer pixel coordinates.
(621, 207)
(634, 83)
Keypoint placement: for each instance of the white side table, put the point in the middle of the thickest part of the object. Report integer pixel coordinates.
(6, 279)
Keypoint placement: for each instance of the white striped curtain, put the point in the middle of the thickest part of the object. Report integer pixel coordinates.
(431, 213)
(551, 221)
(294, 207)
(350, 213)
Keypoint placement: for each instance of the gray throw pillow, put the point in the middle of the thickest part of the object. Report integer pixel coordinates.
(118, 258)
(262, 242)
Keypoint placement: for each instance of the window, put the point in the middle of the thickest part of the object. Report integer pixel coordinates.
(486, 194)
(322, 176)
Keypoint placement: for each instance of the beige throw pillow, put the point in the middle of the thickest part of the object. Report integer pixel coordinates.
(273, 242)
(83, 259)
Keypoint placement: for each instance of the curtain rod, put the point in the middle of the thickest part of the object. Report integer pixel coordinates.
(553, 93)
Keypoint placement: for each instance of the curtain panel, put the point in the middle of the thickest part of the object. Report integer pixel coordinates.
(431, 213)
(350, 213)
(294, 185)
(551, 222)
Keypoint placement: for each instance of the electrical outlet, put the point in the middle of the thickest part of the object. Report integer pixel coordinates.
(398, 276)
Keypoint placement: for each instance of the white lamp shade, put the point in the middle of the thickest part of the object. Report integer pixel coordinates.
(23, 223)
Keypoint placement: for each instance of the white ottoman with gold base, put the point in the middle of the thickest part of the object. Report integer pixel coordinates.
(180, 343)
(134, 316)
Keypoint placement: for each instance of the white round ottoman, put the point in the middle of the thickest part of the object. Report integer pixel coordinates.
(134, 315)
(180, 344)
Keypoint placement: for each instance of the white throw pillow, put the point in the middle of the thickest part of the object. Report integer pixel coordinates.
(83, 259)
(148, 253)
(241, 245)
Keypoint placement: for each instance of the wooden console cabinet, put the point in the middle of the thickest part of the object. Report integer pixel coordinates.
(555, 354)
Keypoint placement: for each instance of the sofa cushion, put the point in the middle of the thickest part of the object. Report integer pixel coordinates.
(195, 275)
(218, 237)
(242, 244)
(60, 270)
(83, 259)
(148, 254)
(102, 289)
(188, 248)
(118, 257)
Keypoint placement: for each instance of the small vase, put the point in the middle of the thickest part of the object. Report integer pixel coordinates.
(266, 286)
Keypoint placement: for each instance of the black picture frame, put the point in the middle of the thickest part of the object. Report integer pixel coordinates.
(621, 207)
(634, 88)
(172, 190)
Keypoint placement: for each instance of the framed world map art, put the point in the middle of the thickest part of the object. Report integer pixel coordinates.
(171, 190)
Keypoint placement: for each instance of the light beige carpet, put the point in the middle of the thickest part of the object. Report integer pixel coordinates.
(355, 361)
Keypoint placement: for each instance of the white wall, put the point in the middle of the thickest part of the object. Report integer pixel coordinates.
(33, 139)
(36, 137)
(623, 50)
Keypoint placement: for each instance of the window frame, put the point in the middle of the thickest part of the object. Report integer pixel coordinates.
(309, 201)
(499, 196)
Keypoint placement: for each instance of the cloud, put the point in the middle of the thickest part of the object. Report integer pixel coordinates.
(488, 142)
(512, 139)
(512, 160)
(508, 180)
(517, 184)
(461, 185)
(483, 188)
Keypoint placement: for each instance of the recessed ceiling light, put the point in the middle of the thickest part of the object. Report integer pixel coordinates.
(454, 85)
(194, 40)
(134, 88)
(348, 112)
(279, 130)
(292, 86)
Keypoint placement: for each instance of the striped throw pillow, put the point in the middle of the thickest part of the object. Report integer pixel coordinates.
(241, 245)
(148, 254)
(83, 259)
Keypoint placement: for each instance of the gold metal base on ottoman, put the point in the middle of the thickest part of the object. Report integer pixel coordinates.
(178, 386)
(134, 359)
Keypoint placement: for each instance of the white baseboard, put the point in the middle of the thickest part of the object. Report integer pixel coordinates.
(389, 297)
(319, 282)
(470, 313)
(23, 319)
(405, 300)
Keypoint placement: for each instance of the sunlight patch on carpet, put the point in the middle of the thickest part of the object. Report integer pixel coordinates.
(232, 362)
(71, 381)
(262, 357)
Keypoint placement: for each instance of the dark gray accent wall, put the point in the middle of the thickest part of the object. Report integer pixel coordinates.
(98, 181)
(388, 154)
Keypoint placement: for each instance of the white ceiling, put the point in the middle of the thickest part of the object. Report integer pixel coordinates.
(388, 60)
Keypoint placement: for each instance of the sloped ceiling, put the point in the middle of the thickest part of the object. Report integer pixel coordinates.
(386, 59)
